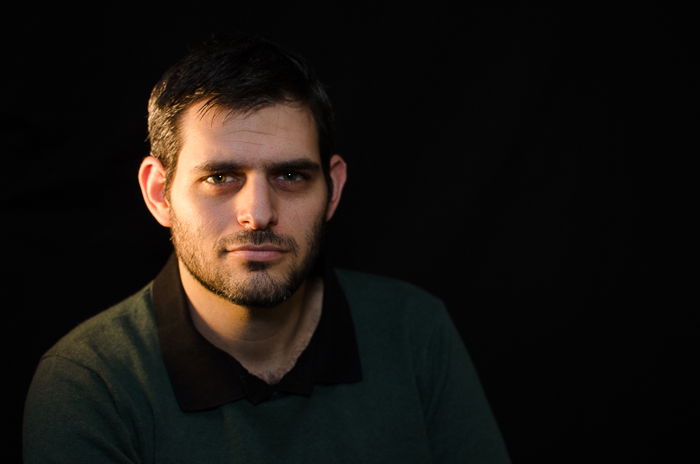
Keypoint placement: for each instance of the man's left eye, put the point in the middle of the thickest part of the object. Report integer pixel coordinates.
(291, 176)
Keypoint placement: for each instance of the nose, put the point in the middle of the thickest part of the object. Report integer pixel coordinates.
(255, 208)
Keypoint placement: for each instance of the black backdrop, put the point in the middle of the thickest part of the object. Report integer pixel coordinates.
(525, 165)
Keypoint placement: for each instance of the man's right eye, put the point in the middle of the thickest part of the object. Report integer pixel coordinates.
(218, 179)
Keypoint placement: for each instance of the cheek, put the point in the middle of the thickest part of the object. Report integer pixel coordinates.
(203, 220)
(302, 219)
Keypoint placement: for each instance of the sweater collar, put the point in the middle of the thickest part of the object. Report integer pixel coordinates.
(205, 377)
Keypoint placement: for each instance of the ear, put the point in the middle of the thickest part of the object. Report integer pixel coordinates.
(338, 171)
(152, 182)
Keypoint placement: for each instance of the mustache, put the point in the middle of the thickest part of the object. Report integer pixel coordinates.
(259, 237)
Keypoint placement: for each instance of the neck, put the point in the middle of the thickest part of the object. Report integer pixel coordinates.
(266, 341)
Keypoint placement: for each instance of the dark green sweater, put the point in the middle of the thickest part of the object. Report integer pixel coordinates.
(102, 394)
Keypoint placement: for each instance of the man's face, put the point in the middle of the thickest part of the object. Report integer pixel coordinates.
(248, 201)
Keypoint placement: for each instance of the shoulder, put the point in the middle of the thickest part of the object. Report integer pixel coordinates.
(105, 373)
(373, 284)
(379, 288)
(113, 334)
(380, 297)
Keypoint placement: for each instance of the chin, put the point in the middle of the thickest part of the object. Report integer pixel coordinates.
(257, 266)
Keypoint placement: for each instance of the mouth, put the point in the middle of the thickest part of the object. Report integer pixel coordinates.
(258, 252)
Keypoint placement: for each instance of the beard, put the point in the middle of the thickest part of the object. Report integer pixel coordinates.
(255, 286)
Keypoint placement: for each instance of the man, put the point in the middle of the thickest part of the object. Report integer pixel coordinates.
(249, 346)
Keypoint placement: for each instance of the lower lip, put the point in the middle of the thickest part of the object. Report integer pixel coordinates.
(257, 255)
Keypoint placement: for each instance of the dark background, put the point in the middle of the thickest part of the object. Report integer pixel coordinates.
(529, 166)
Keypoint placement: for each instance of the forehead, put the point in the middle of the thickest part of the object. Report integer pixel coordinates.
(270, 134)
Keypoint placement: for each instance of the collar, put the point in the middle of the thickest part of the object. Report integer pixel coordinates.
(205, 377)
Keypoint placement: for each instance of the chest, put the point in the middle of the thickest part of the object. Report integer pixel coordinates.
(336, 424)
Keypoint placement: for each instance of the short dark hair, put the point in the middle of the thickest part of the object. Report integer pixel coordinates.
(238, 72)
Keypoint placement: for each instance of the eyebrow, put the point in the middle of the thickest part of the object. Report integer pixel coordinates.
(228, 166)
